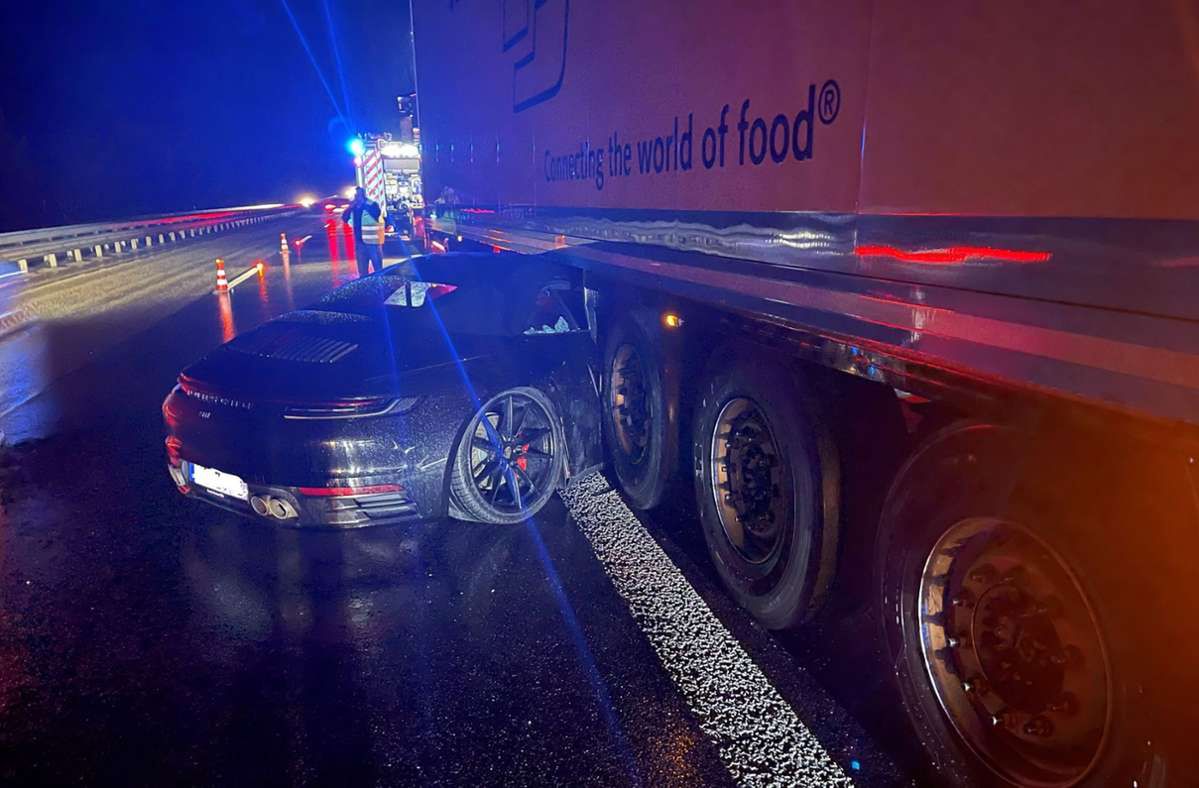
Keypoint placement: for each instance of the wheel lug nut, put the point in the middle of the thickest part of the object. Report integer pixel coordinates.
(1039, 726)
(976, 685)
(1001, 719)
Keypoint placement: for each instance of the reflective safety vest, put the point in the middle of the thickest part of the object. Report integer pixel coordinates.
(373, 230)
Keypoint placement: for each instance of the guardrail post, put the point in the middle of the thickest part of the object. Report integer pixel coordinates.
(133, 244)
(118, 246)
(77, 255)
(51, 260)
(99, 250)
(23, 265)
(171, 235)
(161, 239)
(149, 241)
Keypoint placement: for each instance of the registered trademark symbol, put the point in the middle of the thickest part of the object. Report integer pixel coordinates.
(830, 102)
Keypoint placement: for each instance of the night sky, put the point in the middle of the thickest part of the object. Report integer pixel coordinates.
(120, 108)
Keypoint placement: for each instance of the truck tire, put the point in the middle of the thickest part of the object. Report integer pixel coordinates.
(638, 428)
(766, 487)
(1003, 573)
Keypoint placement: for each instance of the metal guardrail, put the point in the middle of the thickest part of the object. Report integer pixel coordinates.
(19, 250)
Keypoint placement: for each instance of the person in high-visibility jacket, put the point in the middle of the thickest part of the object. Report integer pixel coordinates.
(367, 219)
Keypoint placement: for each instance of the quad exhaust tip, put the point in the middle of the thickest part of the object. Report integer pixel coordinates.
(279, 508)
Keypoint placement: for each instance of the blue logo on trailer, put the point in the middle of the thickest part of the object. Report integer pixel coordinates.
(535, 32)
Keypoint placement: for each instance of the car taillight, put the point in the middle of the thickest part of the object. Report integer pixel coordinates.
(350, 408)
(174, 444)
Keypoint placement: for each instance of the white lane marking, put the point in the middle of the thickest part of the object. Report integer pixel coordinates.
(758, 735)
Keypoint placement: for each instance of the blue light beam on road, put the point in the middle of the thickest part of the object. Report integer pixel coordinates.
(585, 656)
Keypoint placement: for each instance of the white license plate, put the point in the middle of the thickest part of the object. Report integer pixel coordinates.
(220, 482)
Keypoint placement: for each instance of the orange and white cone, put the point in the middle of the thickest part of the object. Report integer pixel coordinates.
(222, 284)
(284, 251)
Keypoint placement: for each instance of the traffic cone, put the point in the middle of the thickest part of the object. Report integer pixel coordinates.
(222, 284)
(284, 251)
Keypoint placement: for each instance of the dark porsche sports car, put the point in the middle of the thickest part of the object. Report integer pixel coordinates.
(459, 385)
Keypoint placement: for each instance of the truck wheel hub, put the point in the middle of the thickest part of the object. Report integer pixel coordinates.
(746, 481)
(629, 404)
(1014, 653)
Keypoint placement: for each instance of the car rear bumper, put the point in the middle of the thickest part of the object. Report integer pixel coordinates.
(330, 473)
(377, 503)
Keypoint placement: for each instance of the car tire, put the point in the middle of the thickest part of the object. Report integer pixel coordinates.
(497, 449)
(982, 528)
(766, 486)
(635, 411)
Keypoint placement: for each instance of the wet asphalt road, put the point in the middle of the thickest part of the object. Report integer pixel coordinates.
(147, 639)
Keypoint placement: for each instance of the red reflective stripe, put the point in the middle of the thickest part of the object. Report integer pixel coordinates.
(952, 255)
(328, 492)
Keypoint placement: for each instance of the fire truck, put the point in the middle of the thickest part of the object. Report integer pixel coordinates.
(389, 170)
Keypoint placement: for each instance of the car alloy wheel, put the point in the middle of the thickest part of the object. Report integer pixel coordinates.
(513, 453)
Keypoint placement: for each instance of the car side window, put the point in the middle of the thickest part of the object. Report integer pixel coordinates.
(552, 313)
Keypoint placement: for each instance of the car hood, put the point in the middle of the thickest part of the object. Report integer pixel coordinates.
(315, 355)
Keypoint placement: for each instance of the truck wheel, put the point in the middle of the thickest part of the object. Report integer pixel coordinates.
(1001, 588)
(636, 427)
(510, 458)
(766, 488)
